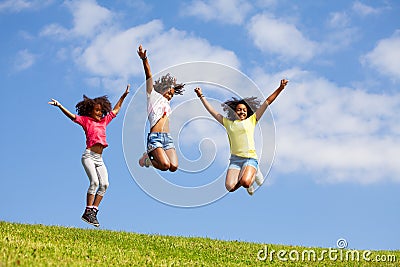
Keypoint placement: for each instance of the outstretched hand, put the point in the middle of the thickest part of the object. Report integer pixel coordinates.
(127, 89)
(142, 53)
(198, 91)
(67, 113)
(284, 82)
(54, 102)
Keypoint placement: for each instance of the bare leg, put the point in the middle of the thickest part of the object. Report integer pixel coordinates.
(97, 200)
(248, 175)
(232, 180)
(160, 159)
(89, 199)
(173, 159)
(237, 178)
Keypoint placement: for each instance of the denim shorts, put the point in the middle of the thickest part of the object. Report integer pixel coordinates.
(156, 140)
(237, 163)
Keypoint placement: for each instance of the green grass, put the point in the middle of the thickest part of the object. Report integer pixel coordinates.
(39, 245)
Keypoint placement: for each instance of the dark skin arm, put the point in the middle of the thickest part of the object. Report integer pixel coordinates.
(70, 115)
(117, 106)
(62, 108)
(208, 106)
(260, 111)
(149, 78)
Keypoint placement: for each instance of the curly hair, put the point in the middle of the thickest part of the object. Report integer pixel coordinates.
(251, 103)
(85, 107)
(162, 84)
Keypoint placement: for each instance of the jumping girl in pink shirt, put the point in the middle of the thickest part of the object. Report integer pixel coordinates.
(94, 115)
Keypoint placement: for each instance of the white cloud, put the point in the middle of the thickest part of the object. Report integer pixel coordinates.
(111, 53)
(174, 47)
(340, 33)
(266, 3)
(338, 20)
(385, 57)
(26, 35)
(24, 60)
(335, 134)
(16, 6)
(55, 30)
(278, 37)
(89, 17)
(365, 10)
(226, 11)
(114, 53)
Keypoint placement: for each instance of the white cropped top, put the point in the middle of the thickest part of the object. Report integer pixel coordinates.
(157, 107)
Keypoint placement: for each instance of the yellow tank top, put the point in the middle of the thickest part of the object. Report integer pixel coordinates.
(241, 136)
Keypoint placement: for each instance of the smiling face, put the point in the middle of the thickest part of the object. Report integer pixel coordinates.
(169, 94)
(97, 113)
(241, 111)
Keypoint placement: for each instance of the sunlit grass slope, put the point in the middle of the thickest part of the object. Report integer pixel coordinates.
(39, 245)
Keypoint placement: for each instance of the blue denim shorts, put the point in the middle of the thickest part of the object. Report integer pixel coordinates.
(237, 163)
(156, 140)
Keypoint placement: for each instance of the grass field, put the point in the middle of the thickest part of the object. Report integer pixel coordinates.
(39, 245)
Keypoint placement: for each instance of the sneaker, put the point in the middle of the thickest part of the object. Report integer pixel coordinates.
(144, 161)
(95, 221)
(259, 179)
(90, 217)
(250, 190)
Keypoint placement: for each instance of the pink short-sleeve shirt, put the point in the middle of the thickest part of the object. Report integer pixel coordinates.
(95, 131)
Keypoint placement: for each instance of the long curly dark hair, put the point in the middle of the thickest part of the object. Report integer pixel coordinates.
(85, 107)
(162, 84)
(251, 103)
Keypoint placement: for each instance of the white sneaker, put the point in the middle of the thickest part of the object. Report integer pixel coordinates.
(259, 177)
(250, 190)
(144, 161)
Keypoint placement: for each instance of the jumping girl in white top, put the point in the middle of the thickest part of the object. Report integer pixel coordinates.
(161, 152)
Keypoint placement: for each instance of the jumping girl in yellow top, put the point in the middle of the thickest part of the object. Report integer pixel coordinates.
(242, 117)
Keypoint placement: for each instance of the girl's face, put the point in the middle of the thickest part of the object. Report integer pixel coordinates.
(169, 94)
(241, 111)
(97, 114)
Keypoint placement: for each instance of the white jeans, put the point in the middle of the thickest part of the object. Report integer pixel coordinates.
(96, 171)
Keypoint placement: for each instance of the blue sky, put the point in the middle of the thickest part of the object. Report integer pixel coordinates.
(336, 167)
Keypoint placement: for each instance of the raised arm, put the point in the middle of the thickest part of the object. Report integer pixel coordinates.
(62, 108)
(260, 111)
(117, 106)
(149, 78)
(208, 106)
